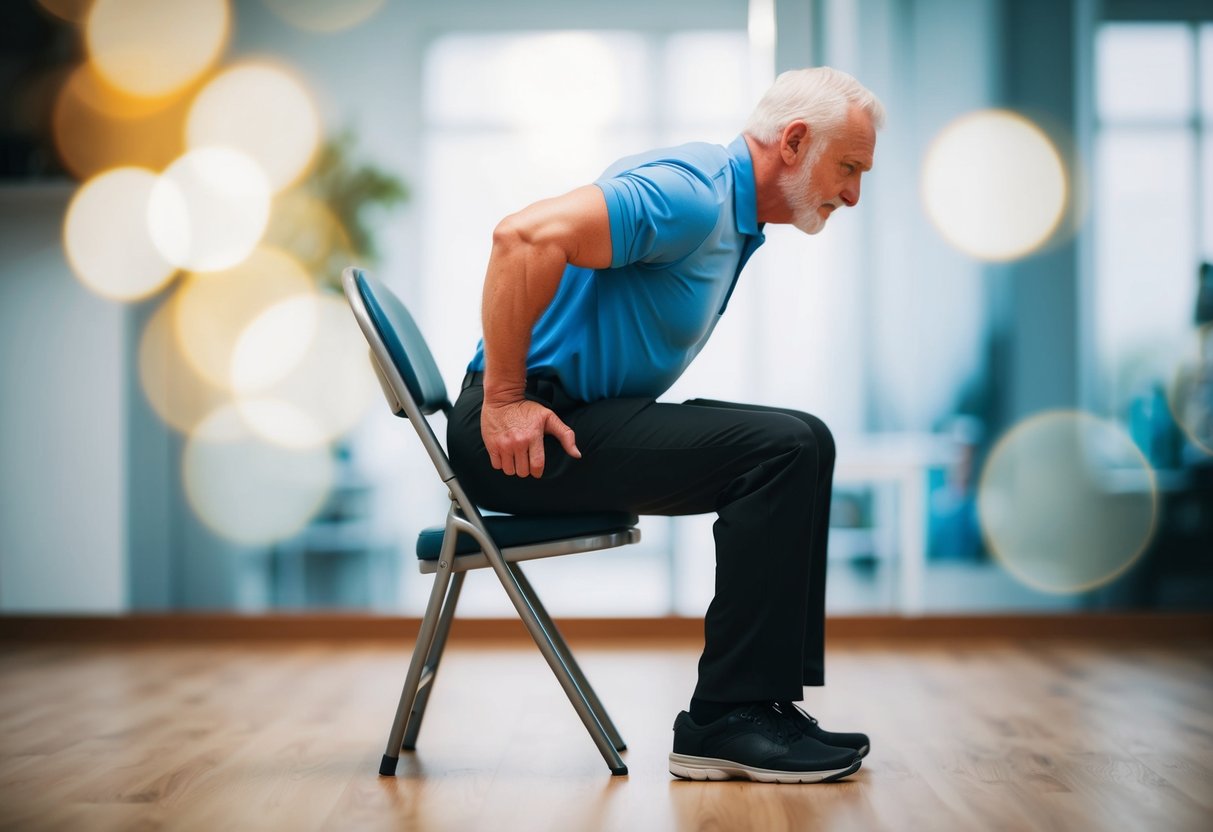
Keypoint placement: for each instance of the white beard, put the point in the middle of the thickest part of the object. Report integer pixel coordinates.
(803, 199)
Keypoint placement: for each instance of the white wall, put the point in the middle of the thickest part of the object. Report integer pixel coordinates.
(62, 423)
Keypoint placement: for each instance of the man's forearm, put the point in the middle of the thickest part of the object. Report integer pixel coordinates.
(520, 283)
(530, 252)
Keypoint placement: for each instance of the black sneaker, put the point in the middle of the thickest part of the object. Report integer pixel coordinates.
(809, 727)
(755, 742)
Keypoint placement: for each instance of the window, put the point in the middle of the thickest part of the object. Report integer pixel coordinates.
(1153, 201)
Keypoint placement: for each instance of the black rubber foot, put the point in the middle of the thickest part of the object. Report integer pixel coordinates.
(623, 746)
(622, 771)
(387, 768)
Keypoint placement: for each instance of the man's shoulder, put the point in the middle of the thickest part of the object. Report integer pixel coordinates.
(664, 203)
(704, 159)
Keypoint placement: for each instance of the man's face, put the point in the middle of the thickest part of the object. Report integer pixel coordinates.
(828, 175)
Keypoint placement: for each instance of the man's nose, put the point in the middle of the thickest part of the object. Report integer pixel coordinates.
(850, 195)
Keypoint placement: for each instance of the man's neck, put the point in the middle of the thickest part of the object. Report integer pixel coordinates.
(768, 166)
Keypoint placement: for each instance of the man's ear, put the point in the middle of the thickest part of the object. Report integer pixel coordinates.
(794, 142)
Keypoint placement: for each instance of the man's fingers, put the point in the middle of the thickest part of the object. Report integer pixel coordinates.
(513, 437)
(536, 457)
(564, 433)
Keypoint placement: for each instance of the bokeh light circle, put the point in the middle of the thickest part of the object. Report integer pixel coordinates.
(209, 209)
(97, 127)
(274, 344)
(249, 490)
(307, 227)
(328, 385)
(177, 393)
(1067, 502)
(994, 185)
(324, 15)
(151, 48)
(214, 308)
(106, 236)
(262, 111)
(94, 91)
(1190, 393)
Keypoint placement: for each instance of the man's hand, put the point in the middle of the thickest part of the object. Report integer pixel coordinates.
(513, 435)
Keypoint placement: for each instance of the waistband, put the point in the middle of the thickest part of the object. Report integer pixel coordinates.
(475, 378)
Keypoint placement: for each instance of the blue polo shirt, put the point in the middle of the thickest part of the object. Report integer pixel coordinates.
(683, 224)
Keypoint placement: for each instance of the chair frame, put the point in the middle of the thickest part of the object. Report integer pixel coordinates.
(449, 571)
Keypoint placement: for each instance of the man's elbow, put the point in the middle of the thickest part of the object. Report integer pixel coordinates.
(508, 234)
(518, 236)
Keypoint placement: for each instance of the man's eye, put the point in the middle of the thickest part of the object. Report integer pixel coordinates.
(849, 167)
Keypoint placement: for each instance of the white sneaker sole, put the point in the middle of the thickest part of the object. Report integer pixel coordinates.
(709, 768)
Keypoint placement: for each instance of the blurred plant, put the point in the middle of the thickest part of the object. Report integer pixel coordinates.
(328, 221)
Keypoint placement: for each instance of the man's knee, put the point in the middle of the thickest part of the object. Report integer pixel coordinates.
(822, 437)
(825, 439)
(791, 432)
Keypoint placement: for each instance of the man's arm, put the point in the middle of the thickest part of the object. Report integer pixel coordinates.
(530, 251)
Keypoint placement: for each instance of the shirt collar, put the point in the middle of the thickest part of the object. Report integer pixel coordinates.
(745, 197)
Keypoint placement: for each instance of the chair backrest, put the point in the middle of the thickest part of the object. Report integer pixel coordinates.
(406, 369)
(401, 338)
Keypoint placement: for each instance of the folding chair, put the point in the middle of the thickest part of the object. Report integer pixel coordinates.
(468, 540)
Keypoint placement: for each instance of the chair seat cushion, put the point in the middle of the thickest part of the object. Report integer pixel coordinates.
(524, 529)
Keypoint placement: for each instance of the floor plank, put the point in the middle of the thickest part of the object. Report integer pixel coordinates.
(993, 734)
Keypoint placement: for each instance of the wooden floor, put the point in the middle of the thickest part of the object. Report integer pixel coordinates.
(984, 735)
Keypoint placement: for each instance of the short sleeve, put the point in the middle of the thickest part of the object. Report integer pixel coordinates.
(659, 213)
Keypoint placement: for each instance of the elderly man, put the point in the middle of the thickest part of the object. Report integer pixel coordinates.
(594, 303)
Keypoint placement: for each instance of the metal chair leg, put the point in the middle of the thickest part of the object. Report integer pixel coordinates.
(430, 673)
(425, 641)
(566, 654)
(543, 640)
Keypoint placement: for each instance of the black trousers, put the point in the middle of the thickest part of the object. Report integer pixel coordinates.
(766, 472)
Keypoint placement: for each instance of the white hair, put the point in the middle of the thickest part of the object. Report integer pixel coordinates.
(820, 96)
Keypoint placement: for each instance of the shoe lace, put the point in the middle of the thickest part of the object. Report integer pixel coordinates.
(797, 712)
(793, 718)
(767, 718)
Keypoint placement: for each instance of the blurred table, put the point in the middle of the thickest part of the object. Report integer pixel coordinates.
(903, 461)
